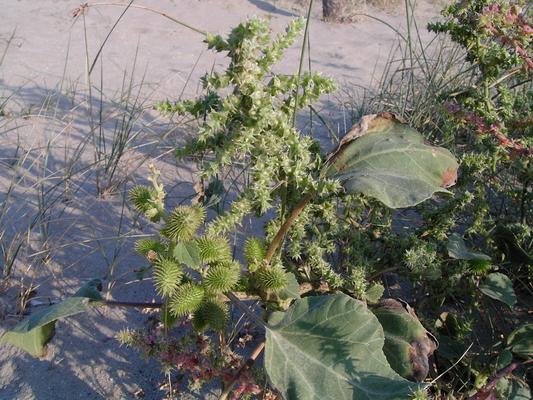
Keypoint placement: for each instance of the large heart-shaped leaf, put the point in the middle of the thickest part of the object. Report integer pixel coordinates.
(388, 160)
(408, 345)
(32, 333)
(330, 347)
(499, 287)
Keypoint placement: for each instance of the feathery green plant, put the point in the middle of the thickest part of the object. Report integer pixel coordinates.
(247, 127)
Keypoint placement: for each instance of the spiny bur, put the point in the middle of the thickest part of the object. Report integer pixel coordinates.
(183, 222)
(254, 251)
(215, 313)
(167, 276)
(273, 278)
(222, 277)
(140, 197)
(213, 249)
(186, 299)
(143, 246)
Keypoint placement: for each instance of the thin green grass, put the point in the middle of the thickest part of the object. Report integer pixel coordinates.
(415, 76)
(55, 191)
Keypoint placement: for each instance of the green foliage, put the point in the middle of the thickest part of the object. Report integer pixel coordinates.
(32, 341)
(33, 333)
(213, 249)
(167, 276)
(457, 249)
(144, 246)
(213, 313)
(422, 261)
(140, 197)
(408, 345)
(187, 298)
(388, 160)
(374, 293)
(187, 253)
(252, 125)
(148, 201)
(272, 278)
(481, 26)
(254, 251)
(183, 222)
(222, 277)
(313, 351)
(246, 128)
(499, 287)
(329, 229)
(450, 249)
(520, 341)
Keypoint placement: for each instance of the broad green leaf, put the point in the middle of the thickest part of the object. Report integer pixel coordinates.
(408, 345)
(499, 287)
(504, 358)
(388, 160)
(32, 333)
(330, 347)
(187, 253)
(33, 342)
(457, 249)
(520, 341)
(68, 307)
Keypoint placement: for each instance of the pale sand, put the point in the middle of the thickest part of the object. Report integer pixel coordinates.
(84, 361)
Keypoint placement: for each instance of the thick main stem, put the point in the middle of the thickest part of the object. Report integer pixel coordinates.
(247, 365)
(278, 239)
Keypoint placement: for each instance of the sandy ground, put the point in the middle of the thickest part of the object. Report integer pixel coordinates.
(43, 78)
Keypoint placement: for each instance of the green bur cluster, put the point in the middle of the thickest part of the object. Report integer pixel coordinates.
(190, 271)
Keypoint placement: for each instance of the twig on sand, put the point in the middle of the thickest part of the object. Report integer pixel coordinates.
(246, 366)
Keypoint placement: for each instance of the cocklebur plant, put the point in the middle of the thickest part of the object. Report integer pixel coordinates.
(379, 153)
(317, 346)
(179, 257)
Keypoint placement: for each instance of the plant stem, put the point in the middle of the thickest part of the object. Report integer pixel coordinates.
(110, 303)
(155, 12)
(107, 36)
(249, 313)
(486, 390)
(300, 66)
(278, 239)
(247, 365)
